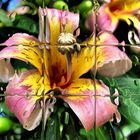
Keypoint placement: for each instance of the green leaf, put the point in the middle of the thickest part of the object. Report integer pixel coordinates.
(129, 90)
(103, 133)
(4, 109)
(52, 130)
(125, 129)
(70, 132)
(130, 128)
(26, 23)
(5, 19)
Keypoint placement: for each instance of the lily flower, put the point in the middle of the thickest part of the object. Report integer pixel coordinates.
(110, 13)
(55, 70)
(111, 61)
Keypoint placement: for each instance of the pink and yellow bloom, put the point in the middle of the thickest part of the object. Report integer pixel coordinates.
(53, 71)
(111, 12)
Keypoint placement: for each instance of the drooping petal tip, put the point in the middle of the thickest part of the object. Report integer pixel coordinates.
(81, 99)
(23, 97)
(22, 39)
(25, 53)
(111, 61)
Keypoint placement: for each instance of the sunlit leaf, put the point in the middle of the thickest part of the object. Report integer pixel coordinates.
(129, 95)
(26, 23)
(52, 130)
(5, 19)
(126, 130)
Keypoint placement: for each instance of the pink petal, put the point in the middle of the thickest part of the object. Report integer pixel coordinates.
(90, 21)
(32, 55)
(111, 61)
(106, 38)
(21, 39)
(105, 20)
(21, 98)
(84, 106)
(104, 107)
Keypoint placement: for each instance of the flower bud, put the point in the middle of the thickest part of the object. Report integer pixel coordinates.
(60, 5)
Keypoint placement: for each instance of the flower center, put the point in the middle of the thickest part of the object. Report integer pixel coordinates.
(66, 39)
(67, 43)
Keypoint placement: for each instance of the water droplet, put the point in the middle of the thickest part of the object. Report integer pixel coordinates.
(26, 126)
(136, 82)
(24, 113)
(17, 130)
(37, 123)
(27, 95)
(50, 109)
(52, 122)
(1, 88)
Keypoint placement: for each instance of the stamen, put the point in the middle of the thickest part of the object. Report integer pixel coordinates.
(69, 66)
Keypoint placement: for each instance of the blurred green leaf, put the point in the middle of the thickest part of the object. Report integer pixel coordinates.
(126, 130)
(4, 19)
(26, 23)
(70, 132)
(130, 128)
(52, 130)
(4, 109)
(85, 6)
(5, 124)
(88, 135)
(104, 133)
